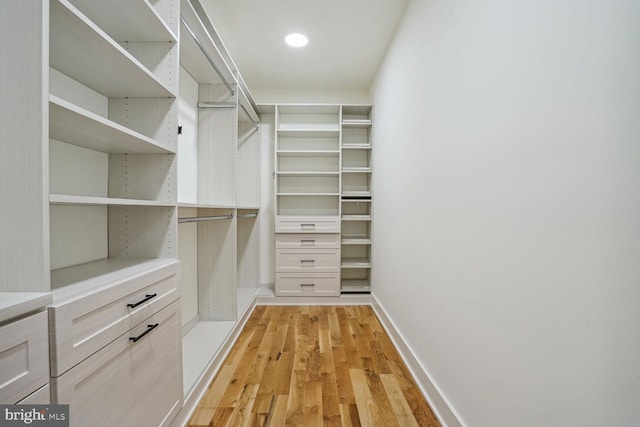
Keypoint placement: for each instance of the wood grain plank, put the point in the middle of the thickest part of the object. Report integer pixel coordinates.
(399, 404)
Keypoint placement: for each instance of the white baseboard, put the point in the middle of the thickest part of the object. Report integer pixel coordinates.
(441, 408)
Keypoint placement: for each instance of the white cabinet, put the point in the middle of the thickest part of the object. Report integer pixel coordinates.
(24, 361)
(323, 184)
(135, 380)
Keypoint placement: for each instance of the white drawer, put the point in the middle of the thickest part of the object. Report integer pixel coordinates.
(40, 397)
(307, 260)
(80, 327)
(286, 224)
(24, 357)
(128, 383)
(307, 284)
(296, 241)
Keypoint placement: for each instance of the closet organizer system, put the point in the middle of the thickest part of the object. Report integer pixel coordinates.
(130, 169)
(323, 199)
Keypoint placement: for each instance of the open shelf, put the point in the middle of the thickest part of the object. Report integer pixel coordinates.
(356, 217)
(360, 262)
(355, 285)
(356, 194)
(75, 125)
(356, 122)
(67, 199)
(77, 279)
(141, 23)
(347, 240)
(84, 52)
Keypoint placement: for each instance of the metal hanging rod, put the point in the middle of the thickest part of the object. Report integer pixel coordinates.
(216, 105)
(251, 215)
(204, 218)
(209, 59)
(255, 124)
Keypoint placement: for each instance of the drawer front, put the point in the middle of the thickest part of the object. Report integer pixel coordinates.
(128, 383)
(307, 284)
(297, 241)
(307, 260)
(81, 327)
(24, 357)
(40, 397)
(310, 225)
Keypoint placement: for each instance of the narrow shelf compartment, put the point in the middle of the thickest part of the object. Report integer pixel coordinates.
(306, 194)
(140, 23)
(78, 279)
(356, 217)
(354, 169)
(356, 122)
(75, 125)
(66, 199)
(308, 153)
(347, 194)
(346, 240)
(286, 173)
(356, 146)
(356, 263)
(82, 51)
(355, 285)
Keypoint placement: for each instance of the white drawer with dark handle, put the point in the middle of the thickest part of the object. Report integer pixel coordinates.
(308, 284)
(306, 241)
(307, 261)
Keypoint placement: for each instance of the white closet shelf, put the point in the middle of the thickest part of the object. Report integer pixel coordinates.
(308, 153)
(78, 279)
(356, 217)
(355, 285)
(355, 193)
(141, 23)
(348, 146)
(356, 122)
(67, 199)
(356, 263)
(75, 125)
(356, 170)
(293, 173)
(291, 131)
(204, 206)
(356, 240)
(82, 51)
(307, 194)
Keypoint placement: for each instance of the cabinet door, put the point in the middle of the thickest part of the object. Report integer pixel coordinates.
(24, 357)
(128, 383)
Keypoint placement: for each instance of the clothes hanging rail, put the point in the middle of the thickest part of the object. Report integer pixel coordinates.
(204, 218)
(206, 55)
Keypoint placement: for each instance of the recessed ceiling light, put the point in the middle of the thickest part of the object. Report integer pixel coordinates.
(296, 40)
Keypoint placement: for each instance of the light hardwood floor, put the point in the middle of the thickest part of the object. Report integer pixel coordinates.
(313, 366)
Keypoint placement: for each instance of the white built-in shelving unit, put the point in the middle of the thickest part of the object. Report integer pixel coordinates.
(323, 185)
(136, 234)
(218, 197)
(356, 198)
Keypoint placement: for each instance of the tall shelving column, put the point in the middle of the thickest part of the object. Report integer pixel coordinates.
(307, 200)
(356, 199)
(218, 197)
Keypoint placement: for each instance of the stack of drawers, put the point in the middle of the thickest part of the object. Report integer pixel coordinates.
(116, 351)
(308, 264)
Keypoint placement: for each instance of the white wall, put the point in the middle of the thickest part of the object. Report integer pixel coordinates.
(507, 206)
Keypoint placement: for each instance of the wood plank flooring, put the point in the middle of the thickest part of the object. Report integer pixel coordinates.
(313, 366)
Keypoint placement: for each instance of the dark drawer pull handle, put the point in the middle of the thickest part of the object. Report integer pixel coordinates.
(307, 226)
(150, 328)
(307, 284)
(307, 260)
(147, 298)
